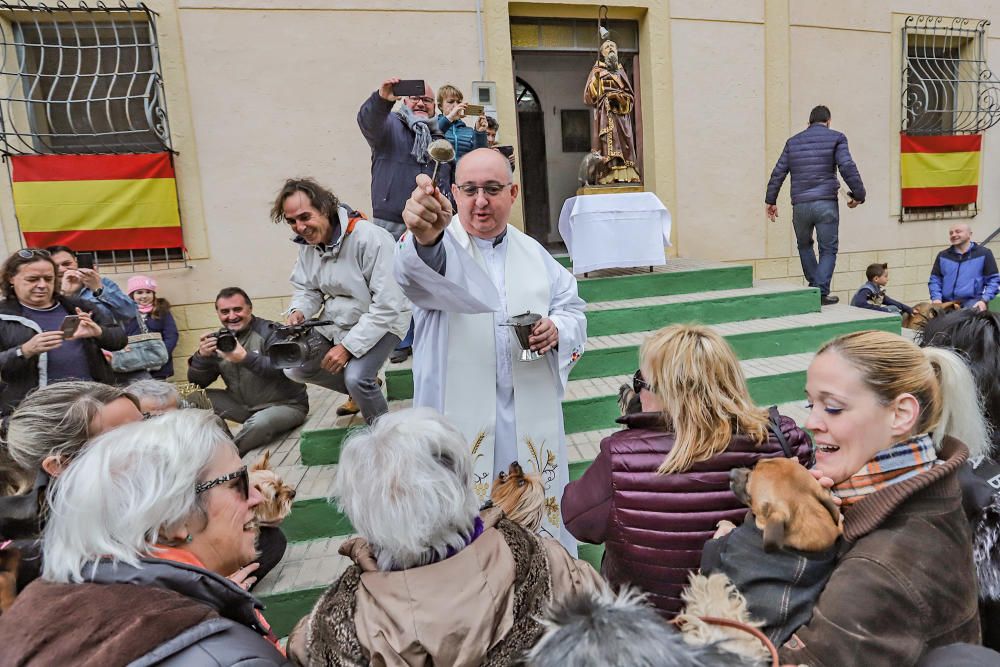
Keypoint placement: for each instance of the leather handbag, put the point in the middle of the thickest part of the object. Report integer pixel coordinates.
(145, 352)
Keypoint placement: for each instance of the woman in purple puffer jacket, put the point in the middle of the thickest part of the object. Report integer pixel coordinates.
(658, 488)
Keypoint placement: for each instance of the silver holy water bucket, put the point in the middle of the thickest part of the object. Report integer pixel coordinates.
(522, 325)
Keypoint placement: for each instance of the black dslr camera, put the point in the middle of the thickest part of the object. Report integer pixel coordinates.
(225, 340)
(297, 344)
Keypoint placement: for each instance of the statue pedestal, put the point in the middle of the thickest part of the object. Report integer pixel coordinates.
(610, 189)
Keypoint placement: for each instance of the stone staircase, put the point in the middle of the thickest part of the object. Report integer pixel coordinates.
(774, 330)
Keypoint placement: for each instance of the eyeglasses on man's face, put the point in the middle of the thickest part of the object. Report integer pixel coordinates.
(490, 188)
(241, 475)
(426, 100)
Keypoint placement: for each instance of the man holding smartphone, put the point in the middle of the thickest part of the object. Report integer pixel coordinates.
(399, 141)
(79, 279)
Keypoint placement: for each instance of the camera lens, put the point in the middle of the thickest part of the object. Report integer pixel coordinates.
(226, 341)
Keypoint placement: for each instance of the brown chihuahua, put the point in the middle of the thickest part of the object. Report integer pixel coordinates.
(789, 505)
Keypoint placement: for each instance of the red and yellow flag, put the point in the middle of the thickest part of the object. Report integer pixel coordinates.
(940, 170)
(97, 202)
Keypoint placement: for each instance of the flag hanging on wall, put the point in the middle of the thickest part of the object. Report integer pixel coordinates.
(940, 170)
(97, 202)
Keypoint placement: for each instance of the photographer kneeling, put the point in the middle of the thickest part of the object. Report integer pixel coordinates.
(257, 394)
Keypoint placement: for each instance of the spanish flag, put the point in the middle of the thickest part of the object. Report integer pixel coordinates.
(97, 202)
(940, 170)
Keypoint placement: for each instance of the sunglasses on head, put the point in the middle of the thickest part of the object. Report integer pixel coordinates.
(28, 253)
(639, 383)
(241, 475)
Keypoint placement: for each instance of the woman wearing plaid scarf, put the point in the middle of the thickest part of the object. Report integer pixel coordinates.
(892, 425)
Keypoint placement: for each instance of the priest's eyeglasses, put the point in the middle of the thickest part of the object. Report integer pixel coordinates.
(490, 189)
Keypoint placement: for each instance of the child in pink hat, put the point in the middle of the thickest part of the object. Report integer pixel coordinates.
(155, 313)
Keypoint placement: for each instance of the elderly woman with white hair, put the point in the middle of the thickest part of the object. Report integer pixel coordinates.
(145, 525)
(433, 581)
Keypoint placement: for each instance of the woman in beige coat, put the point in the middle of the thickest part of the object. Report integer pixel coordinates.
(433, 581)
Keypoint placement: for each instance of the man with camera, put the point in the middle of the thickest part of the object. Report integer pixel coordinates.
(257, 394)
(78, 278)
(344, 275)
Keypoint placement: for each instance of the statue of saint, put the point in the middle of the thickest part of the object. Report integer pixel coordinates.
(610, 93)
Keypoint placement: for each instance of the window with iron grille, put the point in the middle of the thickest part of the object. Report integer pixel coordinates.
(86, 81)
(947, 90)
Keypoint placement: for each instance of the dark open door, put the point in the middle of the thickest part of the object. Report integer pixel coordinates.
(534, 178)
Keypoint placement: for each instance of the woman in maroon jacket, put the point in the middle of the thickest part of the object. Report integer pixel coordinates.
(658, 488)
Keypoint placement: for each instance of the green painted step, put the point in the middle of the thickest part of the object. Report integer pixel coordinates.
(611, 361)
(284, 610)
(705, 311)
(592, 553)
(314, 518)
(665, 283)
(565, 260)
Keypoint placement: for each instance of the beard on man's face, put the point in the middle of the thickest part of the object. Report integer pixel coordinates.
(611, 60)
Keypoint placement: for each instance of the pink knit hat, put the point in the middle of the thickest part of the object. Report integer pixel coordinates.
(140, 282)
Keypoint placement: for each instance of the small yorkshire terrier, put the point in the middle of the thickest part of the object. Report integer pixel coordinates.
(278, 496)
(520, 496)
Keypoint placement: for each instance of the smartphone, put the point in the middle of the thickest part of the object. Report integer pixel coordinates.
(409, 88)
(506, 150)
(85, 260)
(474, 109)
(69, 325)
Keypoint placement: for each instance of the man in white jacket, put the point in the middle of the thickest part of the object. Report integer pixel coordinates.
(344, 274)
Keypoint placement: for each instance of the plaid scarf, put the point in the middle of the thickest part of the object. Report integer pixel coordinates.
(901, 461)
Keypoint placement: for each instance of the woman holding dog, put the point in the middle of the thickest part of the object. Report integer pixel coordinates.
(145, 525)
(657, 489)
(884, 414)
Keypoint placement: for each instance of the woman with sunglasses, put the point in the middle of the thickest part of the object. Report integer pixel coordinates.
(45, 337)
(43, 436)
(657, 489)
(140, 558)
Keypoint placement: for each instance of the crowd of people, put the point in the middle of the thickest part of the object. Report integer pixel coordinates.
(128, 532)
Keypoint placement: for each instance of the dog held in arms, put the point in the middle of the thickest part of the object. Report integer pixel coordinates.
(278, 496)
(925, 311)
(521, 496)
(768, 572)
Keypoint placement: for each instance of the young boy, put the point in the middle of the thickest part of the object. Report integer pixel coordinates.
(872, 294)
(461, 136)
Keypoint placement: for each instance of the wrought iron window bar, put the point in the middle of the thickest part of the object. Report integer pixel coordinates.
(80, 79)
(947, 86)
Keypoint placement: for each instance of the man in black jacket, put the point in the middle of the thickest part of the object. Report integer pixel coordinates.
(257, 394)
(813, 157)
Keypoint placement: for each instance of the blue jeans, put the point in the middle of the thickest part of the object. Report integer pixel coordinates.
(824, 217)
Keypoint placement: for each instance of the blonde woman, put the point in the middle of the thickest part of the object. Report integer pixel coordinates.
(658, 488)
(893, 425)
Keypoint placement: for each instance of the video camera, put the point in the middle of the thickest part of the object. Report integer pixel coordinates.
(297, 345)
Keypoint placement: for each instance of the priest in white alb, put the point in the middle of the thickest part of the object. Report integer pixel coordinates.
(466, 274)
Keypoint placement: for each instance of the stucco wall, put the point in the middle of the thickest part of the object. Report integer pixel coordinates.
(258, 91)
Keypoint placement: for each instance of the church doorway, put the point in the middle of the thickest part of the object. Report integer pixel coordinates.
(552, 59)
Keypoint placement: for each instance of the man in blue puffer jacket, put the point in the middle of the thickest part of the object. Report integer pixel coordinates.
(965, 272)
(813, 157)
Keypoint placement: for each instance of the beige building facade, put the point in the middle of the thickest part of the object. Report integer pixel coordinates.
(260, 91)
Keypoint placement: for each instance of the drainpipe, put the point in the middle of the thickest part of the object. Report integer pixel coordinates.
(482, 47)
